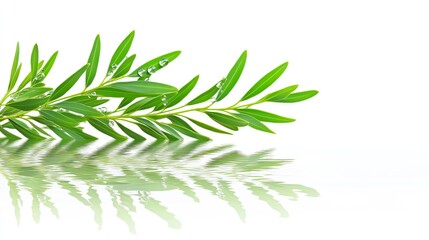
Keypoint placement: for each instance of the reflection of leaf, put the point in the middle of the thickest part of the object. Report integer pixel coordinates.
(127, 201)
(291, 189)
(35, 207)
(264, 195)
(200, 181)
(123, 213)
(188, 191)
(16, 200)
(156, 207)
(94, 200)
(74, 192)
(46, 200)
(228, 195)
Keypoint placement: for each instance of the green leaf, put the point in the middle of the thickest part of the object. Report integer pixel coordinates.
(91, 101)
(265, 116)
(141, 104)
(121, 51)
(59, 118)
(125, 102)
(8, 134)
(232, 77)
(227, 121)
(124, 67)
(169, 57)
(208, 127)
(25, 130)
(14, 78)
(170, 131)
(68, 83)
(205, 96)
(143, 88)
(149, 128)
(188, 132)
(39, 129)
(28, 78)
(34, 61)
(93, 59)
(130, 132)
(14, 69)
(253, 122)
(64, 136)
(105, 128)
(48, 66)
(78, 134)
(183, 92)
(30, 92)
(280, 94)
(300, 96)
(29, 104)
(265, 81)
(79, 108)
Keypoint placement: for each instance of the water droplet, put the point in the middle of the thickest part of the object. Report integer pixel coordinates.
(213, 100)
(141, 72)
(114, 66)
(164, 98)
(61, 110)
(14, 96)
(163, 62)
(164, 104)
(151, 70)
(49, 93)
(102, 109)
(219, 84)
(146, 79)
(111, 123)
(110, 72)
(93, 93)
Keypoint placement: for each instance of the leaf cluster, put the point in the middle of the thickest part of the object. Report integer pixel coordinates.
(147, 109)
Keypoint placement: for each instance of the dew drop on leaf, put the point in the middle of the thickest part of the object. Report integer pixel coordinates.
(141, 72)
(151, 70)
(111, 123)
(163, 62)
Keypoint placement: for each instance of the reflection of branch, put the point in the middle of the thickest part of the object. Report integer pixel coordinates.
(131, 171)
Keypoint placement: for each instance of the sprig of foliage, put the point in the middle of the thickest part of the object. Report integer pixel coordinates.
(37, 111)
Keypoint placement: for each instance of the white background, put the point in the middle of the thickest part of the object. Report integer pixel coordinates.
(367, 129)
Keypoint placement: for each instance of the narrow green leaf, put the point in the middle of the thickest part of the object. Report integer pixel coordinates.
(188, 132)
(280, 94)
(124, 67)
(208, 127)
(300, 96)
(39, 129)
(143, 88)
(121, 51)
(78, 134)
(79, 108)
(15, 77)
(91, 101)
(25, 130)
(28, 78)
(170, 131)
(265, 81)
(253, 122)
(125, 102)
(142, 71)
(227, 121)
(105, 128)
(60, 133)
(141, 104)
(232, 77)
(265, 116)
(116, 93)
(59, 118)
(205, 96)
(34, 61)
(14, 68)
(68, 83)
(183, 92)
(8, 134)
(130, 132)
(93, 59)
(48, 66)
(29, 104)
(149, 128)
(30, 92)
(178, 121)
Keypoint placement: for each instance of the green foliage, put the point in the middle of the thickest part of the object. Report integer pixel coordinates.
(147, 109)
